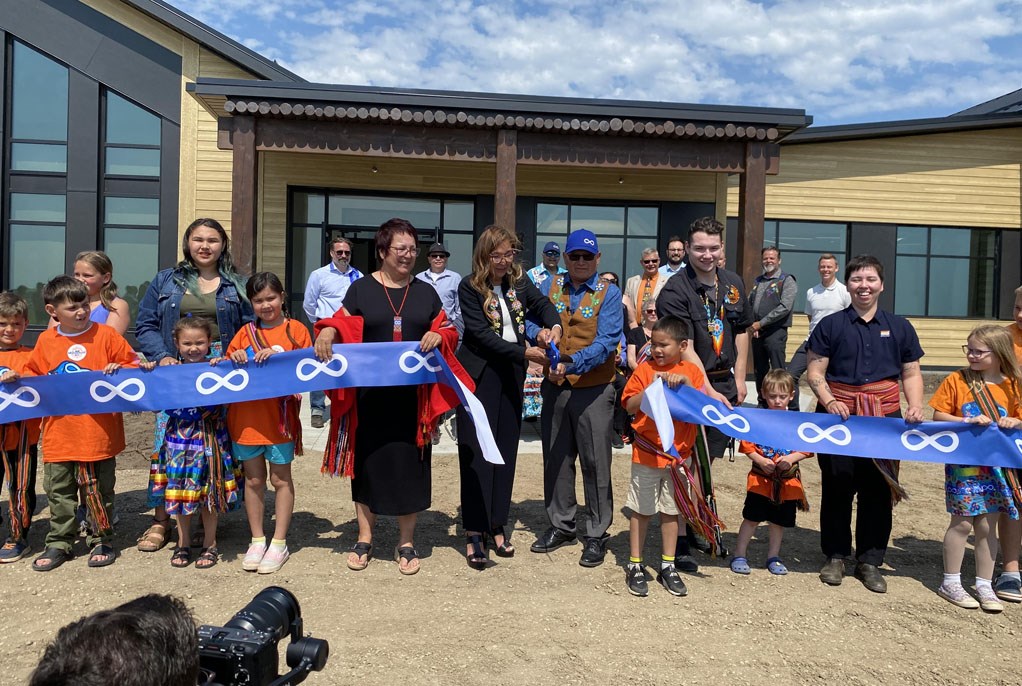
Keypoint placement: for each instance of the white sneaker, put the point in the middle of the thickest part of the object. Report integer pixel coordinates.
(273, 560)
(254, 556)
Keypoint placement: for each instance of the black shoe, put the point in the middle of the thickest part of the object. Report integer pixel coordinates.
(671, 580)
(698, 542)
(635, 578)
(686, 563)
(617, 442)
(870, 577)
(552, 539)
(594, 553)
(833, 572)
(316, 421)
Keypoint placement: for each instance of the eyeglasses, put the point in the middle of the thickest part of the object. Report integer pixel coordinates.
(407, 250)
(576, 256)
(651, 261)
(552, 253)
(342, 252)
(974, 352)
(438, 255)
(503, 257)
(608, 280)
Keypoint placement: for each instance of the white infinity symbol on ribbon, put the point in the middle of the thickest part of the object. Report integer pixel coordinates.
(819, 433)
(421, 362)
(321, 368)
(15, 399)
(221, 381)
(928, 440)
(1018, 441)
(118, 391)
(735, 421)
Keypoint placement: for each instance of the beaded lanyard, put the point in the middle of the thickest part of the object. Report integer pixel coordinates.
(397, 310)
(714, 324)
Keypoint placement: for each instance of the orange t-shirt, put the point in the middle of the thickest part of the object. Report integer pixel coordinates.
(791, 488)
(10, 434)
(257, 422)
(86, 437)
(684, 433)
(954, 397)
(1016, 339)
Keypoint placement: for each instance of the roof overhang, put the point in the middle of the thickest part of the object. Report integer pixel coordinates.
(906, 127)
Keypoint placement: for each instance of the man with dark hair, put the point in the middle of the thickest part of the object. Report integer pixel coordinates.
(771, 299)
(675, 257)
(149, 641)
(856, 358)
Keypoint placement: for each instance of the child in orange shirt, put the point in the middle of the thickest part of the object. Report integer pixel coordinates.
(774, 489)
(78, 450)
(17, 439)
(652, 489)
(266, 430)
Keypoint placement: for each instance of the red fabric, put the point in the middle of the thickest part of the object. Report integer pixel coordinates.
(437, 398)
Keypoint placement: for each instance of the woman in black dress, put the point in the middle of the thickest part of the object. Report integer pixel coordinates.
(494, 302)
(392, 472)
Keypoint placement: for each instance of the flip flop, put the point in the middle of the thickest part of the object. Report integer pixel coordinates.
(55, 556)
(359, 550)
(776, 567)
(408, 554)
(102, 550)
(740, 565)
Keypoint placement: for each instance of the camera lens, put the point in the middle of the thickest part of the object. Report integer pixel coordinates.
(273, 610)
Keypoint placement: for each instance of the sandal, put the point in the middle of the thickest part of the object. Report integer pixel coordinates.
(476, 557)
(505, 549)
(181, 558)
(740, 565)
(358, 551)
(54, 557)
(102, 551)
(776, 567)
(208, 557)
(155, 537)
(408, 554)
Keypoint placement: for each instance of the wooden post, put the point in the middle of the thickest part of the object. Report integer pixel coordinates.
(243, 194)
(506, 193)
(751, 213)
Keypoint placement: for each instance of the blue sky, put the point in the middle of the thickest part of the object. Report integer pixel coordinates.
(843, 62)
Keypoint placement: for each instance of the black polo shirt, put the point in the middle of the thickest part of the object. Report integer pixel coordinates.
(683, 297)
(861, 352)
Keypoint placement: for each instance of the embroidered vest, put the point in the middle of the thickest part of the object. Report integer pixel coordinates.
(579, 330)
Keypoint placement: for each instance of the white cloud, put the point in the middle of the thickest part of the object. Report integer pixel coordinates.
(838, 60)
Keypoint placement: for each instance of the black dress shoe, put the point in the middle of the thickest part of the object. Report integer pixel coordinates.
(552, 539)
(594, 553)
(698, 542)
(616, 442)
(870, 577)
(833, 571)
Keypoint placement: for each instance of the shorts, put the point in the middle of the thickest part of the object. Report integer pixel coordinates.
(651, 490)
(277, 453)
(759, 508)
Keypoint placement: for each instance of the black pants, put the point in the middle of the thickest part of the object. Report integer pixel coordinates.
(844, 478)
(485, 487)
(622, 422)
(768, 352)
(797, 367)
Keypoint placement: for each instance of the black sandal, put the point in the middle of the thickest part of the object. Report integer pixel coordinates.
(55, 557)
(359, 550)
(409, 555)
(181, 558)
(104, 551)
(505, 549)
(208, 557)
(477, 557)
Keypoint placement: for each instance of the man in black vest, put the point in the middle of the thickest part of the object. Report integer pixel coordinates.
(771, 299)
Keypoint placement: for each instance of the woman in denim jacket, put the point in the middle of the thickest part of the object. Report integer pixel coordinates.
(203, 284)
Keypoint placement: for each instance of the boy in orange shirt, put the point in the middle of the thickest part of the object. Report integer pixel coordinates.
(78, 450)
(651, 489)
(774, 488)
(17, 439)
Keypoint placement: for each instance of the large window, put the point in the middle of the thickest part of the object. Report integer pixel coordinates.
(37, 239)
(39, 107)
(132, 139)
(945, 272)
(621, 231)
(801, 244)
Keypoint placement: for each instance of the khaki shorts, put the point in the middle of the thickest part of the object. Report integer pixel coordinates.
(651, 491)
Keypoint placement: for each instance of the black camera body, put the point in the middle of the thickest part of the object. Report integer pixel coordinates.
(244, 652)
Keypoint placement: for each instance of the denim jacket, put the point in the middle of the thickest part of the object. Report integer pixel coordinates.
(159, 311)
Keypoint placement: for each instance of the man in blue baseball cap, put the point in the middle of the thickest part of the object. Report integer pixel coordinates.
(578, 401)
(549, 266)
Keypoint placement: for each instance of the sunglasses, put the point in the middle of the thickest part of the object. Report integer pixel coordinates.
(653, 311)
(342, 252)
(576, 256)
(552, 253)
(650, 261)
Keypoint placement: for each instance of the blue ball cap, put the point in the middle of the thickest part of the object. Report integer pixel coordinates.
(551, 246)
(582, 239)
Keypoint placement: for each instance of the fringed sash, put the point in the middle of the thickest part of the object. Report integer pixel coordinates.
(289, 423)
(988, 405)
(777, 479)
(876, 399)
(16, 470)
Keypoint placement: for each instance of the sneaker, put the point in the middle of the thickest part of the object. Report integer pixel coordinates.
(671, 580)
(635, 577)
(317, 421)
(254, 556)
(988, 601)
(957, 595)
(686, 563)
(13, 551)
(1008, 588)
(273, 560)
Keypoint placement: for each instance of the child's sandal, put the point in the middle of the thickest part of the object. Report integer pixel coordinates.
(181, 558)
(155, 537)
(740, 565)
(207, 558)
(776, 567)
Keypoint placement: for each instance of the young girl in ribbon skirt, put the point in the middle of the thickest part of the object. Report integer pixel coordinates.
(986, 392)
(200, 469)
(267, 431)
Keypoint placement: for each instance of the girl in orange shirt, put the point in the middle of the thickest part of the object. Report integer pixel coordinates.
(267, 430)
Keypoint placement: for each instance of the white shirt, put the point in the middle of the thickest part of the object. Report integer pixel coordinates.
(507, 328)
(325, 291)
(821, 301)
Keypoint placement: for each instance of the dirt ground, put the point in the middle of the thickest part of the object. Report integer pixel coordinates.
(543, 619)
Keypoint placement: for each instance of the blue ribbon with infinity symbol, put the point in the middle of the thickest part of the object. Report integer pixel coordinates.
(894, 439)
(356, 365)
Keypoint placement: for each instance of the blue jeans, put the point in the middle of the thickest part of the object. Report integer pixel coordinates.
(317, 401)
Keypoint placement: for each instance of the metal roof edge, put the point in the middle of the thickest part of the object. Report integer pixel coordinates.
(905, 127)
(993, 105)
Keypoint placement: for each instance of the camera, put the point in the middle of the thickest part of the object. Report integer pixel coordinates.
(244, 651)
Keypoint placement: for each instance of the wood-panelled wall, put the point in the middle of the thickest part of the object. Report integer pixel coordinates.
(952, 179)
